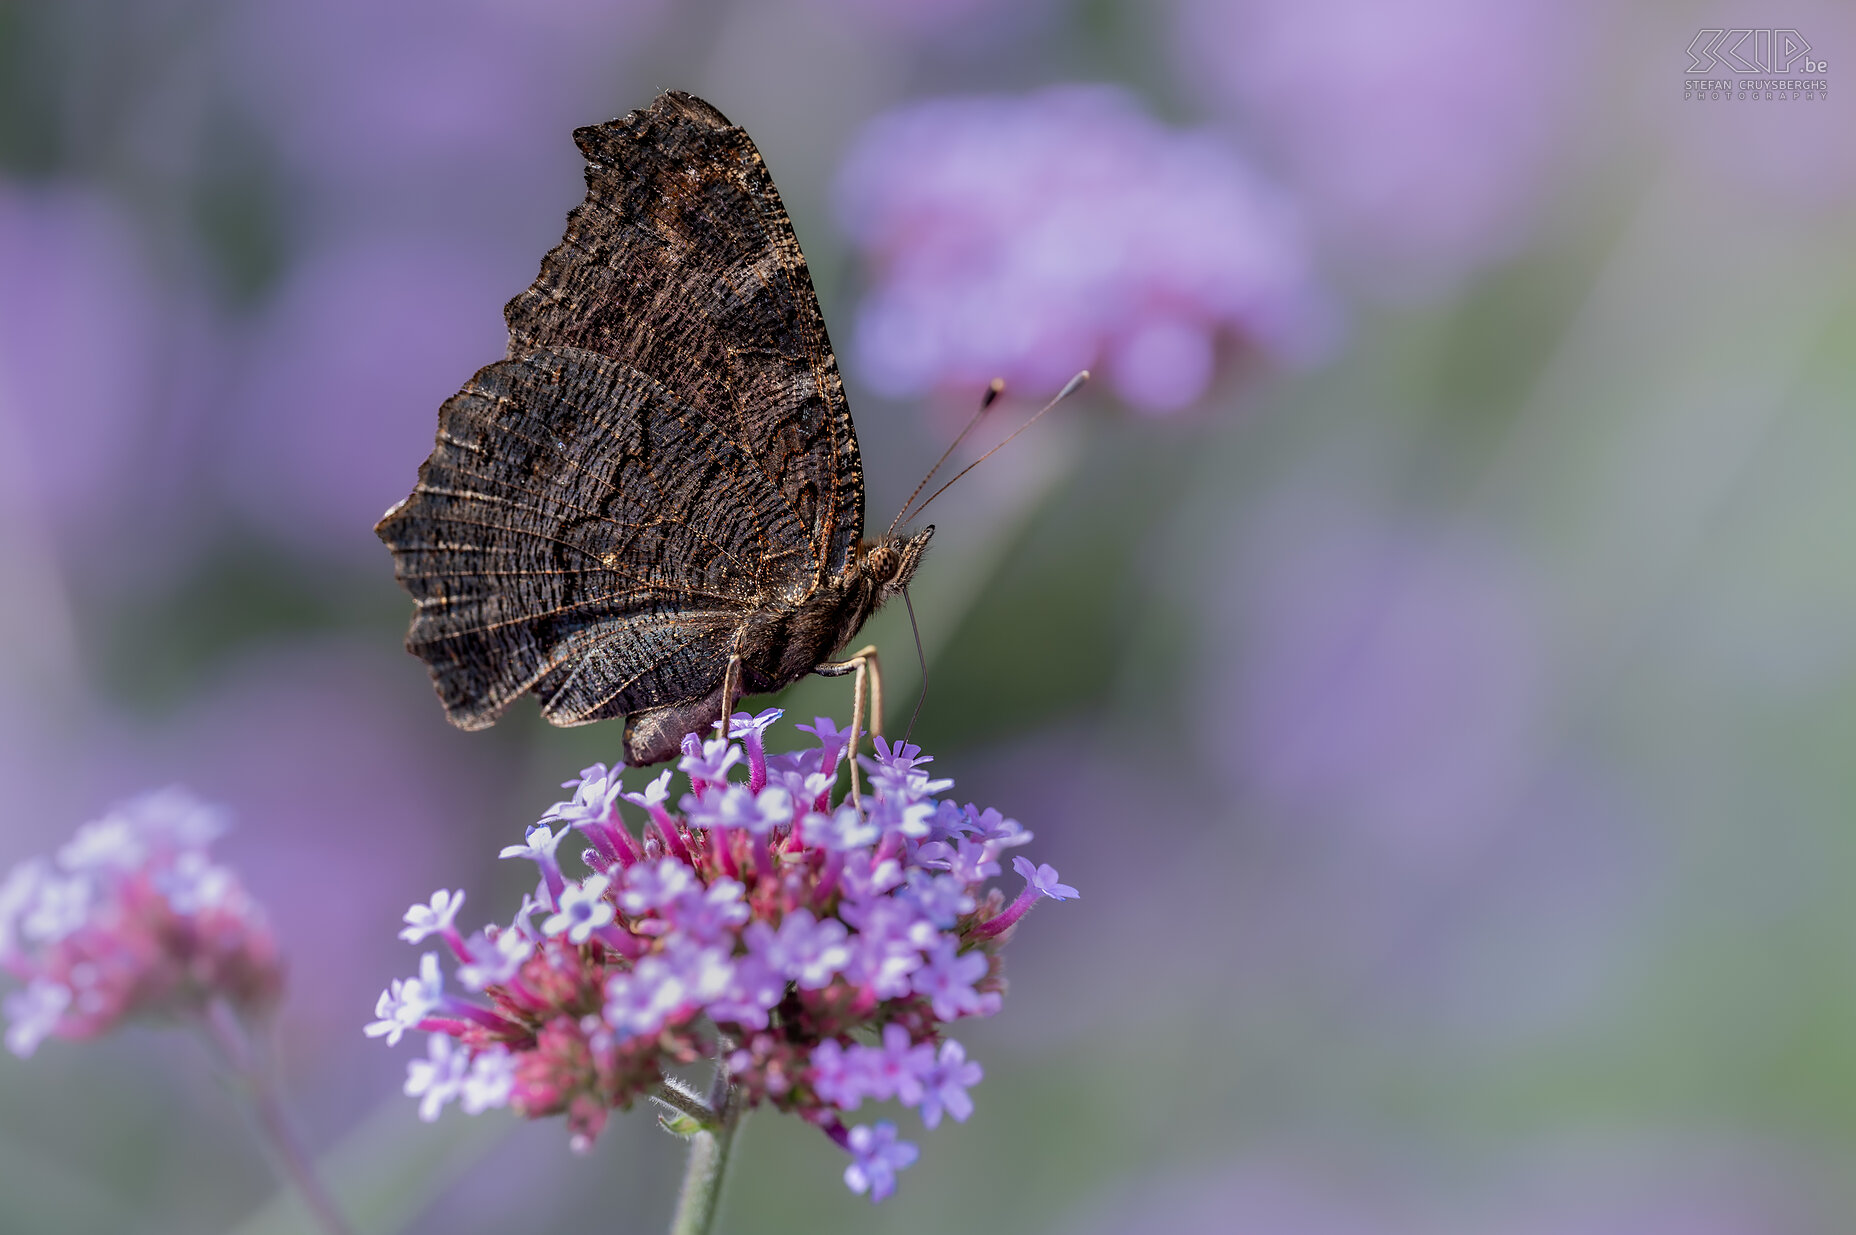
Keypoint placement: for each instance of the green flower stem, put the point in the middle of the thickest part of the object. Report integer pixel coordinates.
(708, 1163)
(683, 1101)
(226, 1033)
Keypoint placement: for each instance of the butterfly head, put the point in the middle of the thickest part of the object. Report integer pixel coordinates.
(888, 564)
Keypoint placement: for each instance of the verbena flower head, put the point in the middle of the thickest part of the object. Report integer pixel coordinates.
(820, 948)
(132, 918)
(1030, 237)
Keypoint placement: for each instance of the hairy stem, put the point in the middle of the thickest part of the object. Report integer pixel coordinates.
(673, 1094)
(708, 1163)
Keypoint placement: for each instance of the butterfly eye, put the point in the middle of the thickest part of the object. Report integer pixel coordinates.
(880, 563)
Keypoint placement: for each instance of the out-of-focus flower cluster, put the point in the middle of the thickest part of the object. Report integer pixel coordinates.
(817, 948)
(1027, 238)
(132, 918)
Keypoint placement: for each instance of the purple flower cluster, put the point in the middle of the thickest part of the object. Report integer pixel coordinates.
(133, 917)
(817, 947)
(1028, 238)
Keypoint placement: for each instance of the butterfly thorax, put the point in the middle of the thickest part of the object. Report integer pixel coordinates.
(886, 565)
(812, 630)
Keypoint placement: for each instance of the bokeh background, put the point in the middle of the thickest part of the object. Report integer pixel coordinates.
(1430, 645)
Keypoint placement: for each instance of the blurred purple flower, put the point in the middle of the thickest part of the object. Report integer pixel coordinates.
(343, 384)
(90, 346)
(1027, 238)
(1411, 128)
(876, 1156)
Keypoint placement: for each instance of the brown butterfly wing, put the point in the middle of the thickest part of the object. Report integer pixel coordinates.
(665, 453)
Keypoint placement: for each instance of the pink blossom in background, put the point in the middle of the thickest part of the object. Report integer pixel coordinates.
(1420, 133)
(1030, 237)
(321, 749)
(132, 918)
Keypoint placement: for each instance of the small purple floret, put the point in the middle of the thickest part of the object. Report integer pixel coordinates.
(583, 910)
(945, 1086)
(435, 918)
(1044, 880)
(947, 980)
(876, 1156)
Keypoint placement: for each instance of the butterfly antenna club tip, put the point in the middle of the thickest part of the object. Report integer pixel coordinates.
(1069, 388)
(994, 389)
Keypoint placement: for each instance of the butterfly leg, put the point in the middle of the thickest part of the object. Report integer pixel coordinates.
(869, 671)
(731, 682)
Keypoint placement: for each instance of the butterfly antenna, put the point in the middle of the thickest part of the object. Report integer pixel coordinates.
(1069, 388)
(919, 655)
(993, 392)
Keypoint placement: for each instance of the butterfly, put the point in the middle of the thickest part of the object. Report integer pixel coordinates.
(655, 503)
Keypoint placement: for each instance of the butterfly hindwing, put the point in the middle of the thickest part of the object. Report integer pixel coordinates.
(579, 532)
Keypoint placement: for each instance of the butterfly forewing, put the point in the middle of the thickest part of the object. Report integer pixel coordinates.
(681, 263)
